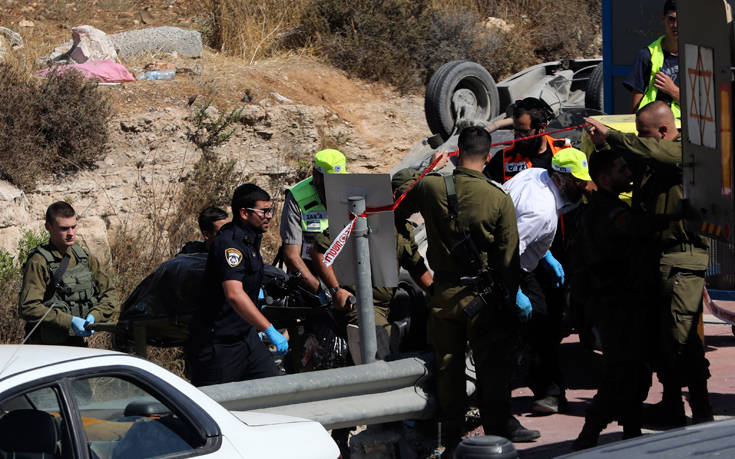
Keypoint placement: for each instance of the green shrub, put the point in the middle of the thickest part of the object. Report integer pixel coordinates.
(29, 240)
(49, 128)
(11, 276)
(7, 266)
(211, 131)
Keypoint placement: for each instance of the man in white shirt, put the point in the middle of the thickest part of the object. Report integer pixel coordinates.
(539, 197)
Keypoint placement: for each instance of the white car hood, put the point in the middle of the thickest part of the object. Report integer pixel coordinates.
(305, 439)
(254, 418)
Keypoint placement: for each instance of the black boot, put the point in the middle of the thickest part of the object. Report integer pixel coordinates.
(669, 412)
(587, 437)
(516, 433)
(631, 432)
(700, 404)
(450, 439)
(665, 414)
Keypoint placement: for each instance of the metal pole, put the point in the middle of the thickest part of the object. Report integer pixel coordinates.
(365, 316)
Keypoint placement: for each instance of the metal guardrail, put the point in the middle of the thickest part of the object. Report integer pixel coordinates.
(341, 397)
(371, 393)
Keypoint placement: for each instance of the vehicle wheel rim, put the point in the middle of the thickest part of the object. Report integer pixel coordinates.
(470, 100)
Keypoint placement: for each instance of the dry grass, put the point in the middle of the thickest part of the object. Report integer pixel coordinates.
(251, 29)
(542, 30)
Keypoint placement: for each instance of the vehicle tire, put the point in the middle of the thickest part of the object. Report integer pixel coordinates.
(594, 95)
(431, 99)
(459, 80)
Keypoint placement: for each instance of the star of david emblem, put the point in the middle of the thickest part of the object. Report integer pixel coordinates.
(703, 115)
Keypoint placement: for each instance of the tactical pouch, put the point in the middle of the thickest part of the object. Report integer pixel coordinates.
(474, 306)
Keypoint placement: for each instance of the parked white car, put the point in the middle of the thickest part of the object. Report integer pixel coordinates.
(63, 402)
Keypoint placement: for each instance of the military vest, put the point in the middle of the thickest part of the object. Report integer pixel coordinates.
(75, 293)
(657, 61)
(313, 211)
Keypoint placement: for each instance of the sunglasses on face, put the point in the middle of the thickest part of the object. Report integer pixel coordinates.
(268, 212)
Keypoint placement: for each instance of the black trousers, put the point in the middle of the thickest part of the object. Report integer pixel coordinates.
(543, 334)
(625, 322)
(221, 360)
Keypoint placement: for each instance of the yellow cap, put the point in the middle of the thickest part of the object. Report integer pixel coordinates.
(571, 161)
(330, 162)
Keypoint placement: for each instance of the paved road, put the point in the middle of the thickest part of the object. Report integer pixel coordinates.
(582, 369)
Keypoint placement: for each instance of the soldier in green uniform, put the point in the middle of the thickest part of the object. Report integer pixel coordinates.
(656, 156)
(64, 286)
(618, 272)
(463, 207)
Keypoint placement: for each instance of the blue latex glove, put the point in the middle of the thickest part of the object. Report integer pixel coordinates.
(277, 339)
(524, 305)
(77, 325)
(90, 320)
(554, 267)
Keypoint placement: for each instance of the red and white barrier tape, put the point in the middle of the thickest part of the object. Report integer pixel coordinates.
(341, 240)
(721, 313)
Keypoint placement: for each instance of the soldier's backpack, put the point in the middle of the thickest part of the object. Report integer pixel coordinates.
(164, 301)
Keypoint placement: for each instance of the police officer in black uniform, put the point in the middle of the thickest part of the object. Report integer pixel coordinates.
(225, 345)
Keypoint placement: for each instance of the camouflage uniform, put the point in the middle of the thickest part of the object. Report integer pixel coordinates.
(486, 213)
(87, 289)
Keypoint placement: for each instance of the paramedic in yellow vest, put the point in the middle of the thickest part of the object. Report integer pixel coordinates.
(304, 217)
(530, 117)
(655, 73)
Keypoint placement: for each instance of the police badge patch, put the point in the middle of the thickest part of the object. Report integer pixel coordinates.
(233, 256)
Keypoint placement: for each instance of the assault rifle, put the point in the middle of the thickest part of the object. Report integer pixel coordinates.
(491, 289)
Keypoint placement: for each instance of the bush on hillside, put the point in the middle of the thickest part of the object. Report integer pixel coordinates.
(12, 329)
(397, 41)
(402, 42)
(49, 128)
(542, 30)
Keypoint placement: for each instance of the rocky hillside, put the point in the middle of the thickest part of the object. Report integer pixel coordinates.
(291, 108)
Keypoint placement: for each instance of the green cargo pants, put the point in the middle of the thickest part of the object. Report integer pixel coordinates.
(493, 338)
(682, 361)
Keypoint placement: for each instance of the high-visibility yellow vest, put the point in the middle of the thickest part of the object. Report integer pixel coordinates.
(657, 61)
(313, 212)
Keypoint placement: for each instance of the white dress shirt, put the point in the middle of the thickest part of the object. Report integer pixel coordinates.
(538, 204)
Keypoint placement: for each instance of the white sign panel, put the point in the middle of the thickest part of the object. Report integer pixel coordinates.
(701, 110)
(382, 237)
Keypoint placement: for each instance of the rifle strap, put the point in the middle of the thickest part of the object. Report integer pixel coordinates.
(278, 260)
(58, 274)
(452, 202)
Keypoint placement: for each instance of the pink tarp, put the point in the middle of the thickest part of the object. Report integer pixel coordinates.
(107, 71)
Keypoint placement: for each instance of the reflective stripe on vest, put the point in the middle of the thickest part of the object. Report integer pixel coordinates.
(313, 212)
(657, 61)
(515, 163)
